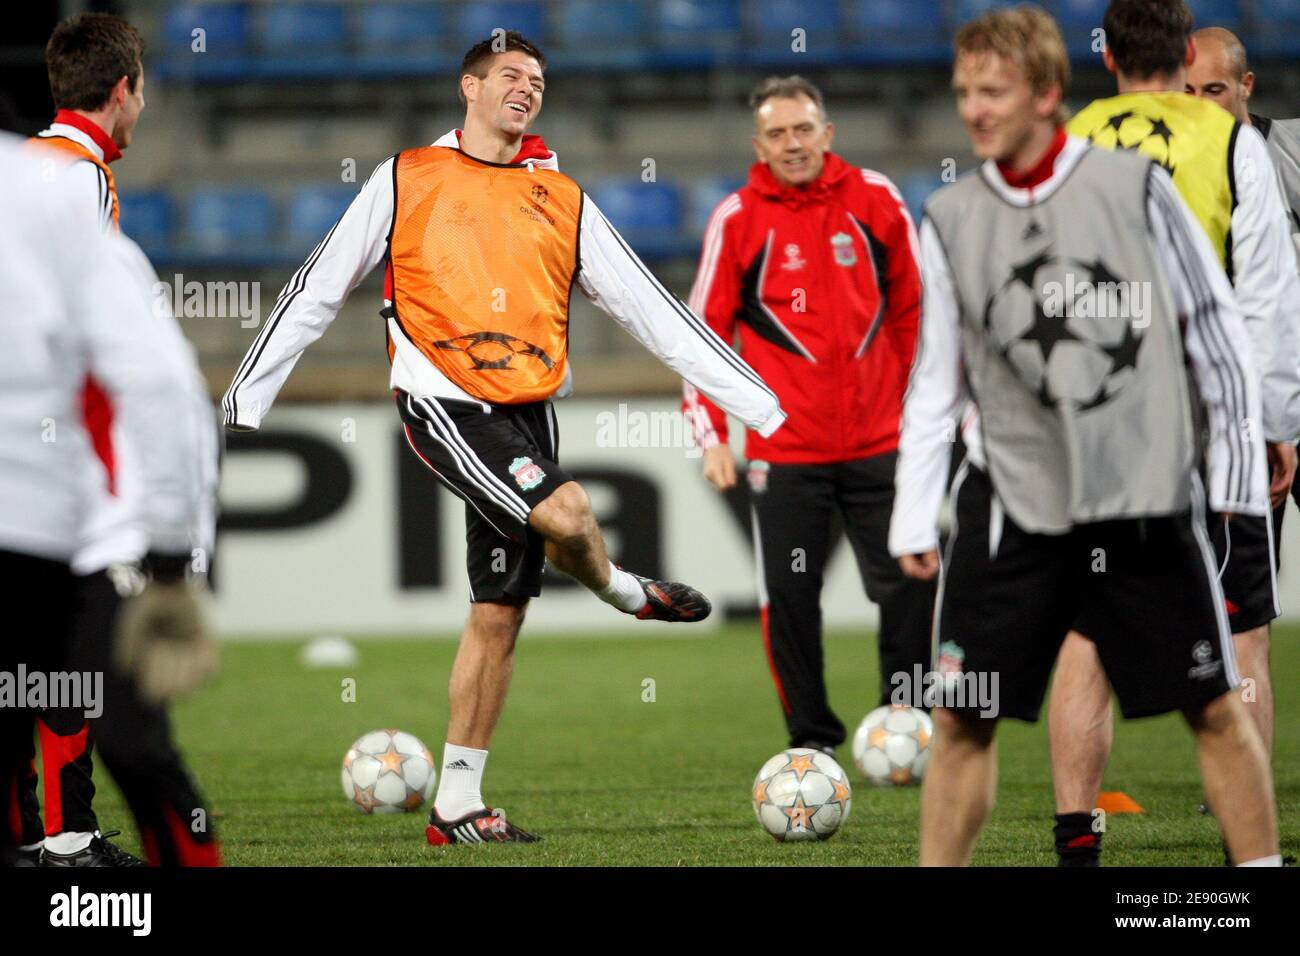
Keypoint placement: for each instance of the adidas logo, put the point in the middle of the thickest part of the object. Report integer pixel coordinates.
(458, 765)
(1033, 231)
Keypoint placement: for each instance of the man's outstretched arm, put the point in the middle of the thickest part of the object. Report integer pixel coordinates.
(311, 299)
(612, 276)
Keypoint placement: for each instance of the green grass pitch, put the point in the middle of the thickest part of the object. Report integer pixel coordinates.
(606, 777)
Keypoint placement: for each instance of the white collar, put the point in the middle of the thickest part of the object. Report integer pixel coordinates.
(78, 136)
(1071, 153)
(450, 140)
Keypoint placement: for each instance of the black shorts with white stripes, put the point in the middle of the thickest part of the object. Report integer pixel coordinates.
(1247, 547)
(1144, 590)
(502, 463)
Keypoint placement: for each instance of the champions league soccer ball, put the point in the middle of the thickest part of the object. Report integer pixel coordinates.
(388, 771)
(892, 745)
(802, 794)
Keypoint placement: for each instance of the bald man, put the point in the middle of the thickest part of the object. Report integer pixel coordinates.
(1221, 73)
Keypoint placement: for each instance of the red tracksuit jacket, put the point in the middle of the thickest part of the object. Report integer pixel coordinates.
(825, 286)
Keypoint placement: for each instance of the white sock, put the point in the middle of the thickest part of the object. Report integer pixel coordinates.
(461, 781)
(68, 843)
(623, 591)
(1274, 860)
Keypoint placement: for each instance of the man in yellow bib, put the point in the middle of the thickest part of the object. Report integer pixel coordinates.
(1222, 171)
(483, 239)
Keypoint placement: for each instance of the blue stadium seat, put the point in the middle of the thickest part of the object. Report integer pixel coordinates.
(313, 210)
(301, 27)
(1216, 13)
(916, 188)
(478, 20)
(224, 25)
(772, 21)
(389, 25)
(146, 216)
(899, 30)
(224, 219)
(1079, 13)
(696, 33)
(703, 196)
(601, 21)
(1269, 13)
(691, 20)
(1275, 29)
(648, 215)
(963, 10)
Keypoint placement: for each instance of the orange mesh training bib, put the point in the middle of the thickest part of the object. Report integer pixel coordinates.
(76, 150)
(483, 258)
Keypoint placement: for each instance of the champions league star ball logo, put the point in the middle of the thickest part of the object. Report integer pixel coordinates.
(1071, 330)
(1136, 132)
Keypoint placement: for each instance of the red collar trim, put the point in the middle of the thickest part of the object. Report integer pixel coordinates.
(1041, 171)
(91, 129)
(531, 147)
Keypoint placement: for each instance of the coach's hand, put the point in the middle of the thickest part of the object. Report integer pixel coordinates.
(923, 566)
(1281, 465)
(720, 467)
(163, 641)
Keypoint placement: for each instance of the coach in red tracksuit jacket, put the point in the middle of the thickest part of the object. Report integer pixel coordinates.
(814, 261)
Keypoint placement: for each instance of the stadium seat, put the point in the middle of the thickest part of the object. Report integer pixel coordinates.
(223, 219)
(703, 196)
(696, 33)
(224, 25)
(1275, 29)
(648, 215)
(390, 25)
(916, 189)
(1078, 13)
(295, 27)
(772, 22)
(478, 20)
(898, 30)
(689, 21)
(964, 10)
(146, 216)
(313, 210)
(601, 21)
(1216, 13)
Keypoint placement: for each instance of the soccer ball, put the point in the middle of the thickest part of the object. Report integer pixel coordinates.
(802, 794)
(388, 771)
(892, 745)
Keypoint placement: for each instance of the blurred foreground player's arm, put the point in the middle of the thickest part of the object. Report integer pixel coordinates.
(162, 637)
(311, 299)
(934, 400)
(1268, 293)
(611, 275)
(141, 359)
(1218, 347)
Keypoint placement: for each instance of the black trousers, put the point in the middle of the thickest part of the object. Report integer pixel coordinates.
(134, 738)
(46, 587)
(793, 512)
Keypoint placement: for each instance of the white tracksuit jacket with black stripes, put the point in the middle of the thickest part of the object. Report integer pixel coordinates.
(610, 275)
